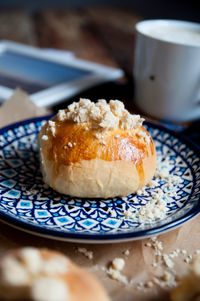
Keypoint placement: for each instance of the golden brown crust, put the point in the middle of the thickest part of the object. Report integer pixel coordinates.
(73, 147)
(119, 144)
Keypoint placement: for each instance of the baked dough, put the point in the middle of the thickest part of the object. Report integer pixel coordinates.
(45, 275)
(96, 159)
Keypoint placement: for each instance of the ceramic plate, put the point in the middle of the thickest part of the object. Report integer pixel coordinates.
(28, 204)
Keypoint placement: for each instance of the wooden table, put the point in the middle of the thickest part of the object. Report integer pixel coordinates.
(103, 35)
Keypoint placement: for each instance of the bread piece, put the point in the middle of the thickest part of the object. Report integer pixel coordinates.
(45, 275)
(96, 150)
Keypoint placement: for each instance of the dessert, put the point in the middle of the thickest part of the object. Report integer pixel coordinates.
(45, 275)
(96, 150)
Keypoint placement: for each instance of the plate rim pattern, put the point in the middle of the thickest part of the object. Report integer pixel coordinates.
(105, 237)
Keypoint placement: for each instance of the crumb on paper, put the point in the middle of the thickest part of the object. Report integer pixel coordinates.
(127, 252)
(168, 262)
(114, 270)
(118, 264)
(117, 275)
(87, 253)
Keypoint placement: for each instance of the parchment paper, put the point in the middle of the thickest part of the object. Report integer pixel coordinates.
(138, 264)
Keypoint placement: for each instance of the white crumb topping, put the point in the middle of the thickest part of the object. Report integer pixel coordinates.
(87, 253)
(101, 115)
(31, 259)
(61, 115)
(45, 137)
(144, 135)
(51, 126)
(118, 264)
(13, 272)
(49, 288)
(55, 265)
(69, 144)
(26, 266)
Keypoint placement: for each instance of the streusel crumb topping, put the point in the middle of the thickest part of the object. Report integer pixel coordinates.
(101, 115)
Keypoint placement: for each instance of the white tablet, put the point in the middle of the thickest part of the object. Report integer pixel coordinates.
(49, 76)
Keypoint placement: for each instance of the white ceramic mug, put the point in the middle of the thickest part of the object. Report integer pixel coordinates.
(167, 69)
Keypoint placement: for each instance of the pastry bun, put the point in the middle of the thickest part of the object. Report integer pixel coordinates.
(96, 151)
(45, 275)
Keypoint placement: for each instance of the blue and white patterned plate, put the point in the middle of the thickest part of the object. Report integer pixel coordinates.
(28, 204)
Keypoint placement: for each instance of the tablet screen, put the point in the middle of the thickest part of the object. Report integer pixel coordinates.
(32, 74)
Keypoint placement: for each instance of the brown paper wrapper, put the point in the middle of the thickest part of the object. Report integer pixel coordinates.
(138, 265)
(19, 107)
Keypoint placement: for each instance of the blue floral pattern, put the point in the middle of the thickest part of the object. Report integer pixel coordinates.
(29, 203)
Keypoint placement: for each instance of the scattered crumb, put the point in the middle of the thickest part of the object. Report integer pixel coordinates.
(84, 251)
(114, 271)
(184, 252)
(116, 275)
(154, 209)
(118, 264)
(168, 262)
(52, 127)
(149, 284)
(167, 280)
(188, 259)
(155, 264)
(127, 252)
